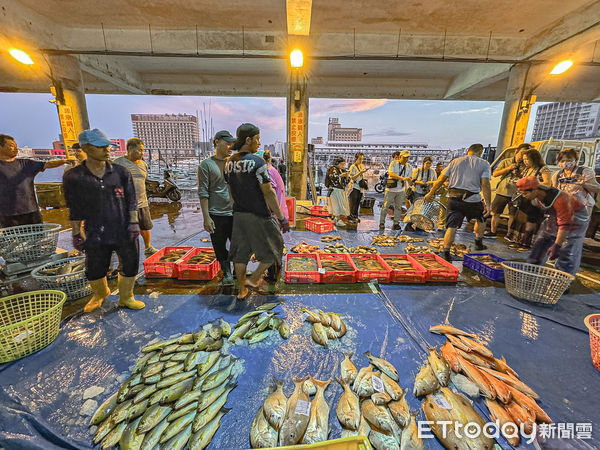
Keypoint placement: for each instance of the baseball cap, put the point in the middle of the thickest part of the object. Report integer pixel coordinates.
(405, 153)
(528, 183)
(225, 135)
(244, 131)
(94, 137)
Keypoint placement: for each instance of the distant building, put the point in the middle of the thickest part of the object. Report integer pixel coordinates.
(280, 148)
(120, 148)
(317, 140)
(58, 145)
(336, 133)
(173, 135)
(567, 120)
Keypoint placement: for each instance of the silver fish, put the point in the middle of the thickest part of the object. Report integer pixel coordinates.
(153, 369)
(144, 393)
(425, 382)
(177, 368)
(239, 332)
(208, 398)
(211, 359)
(383, 365)
(171, 393)
(284, 329)
(141, 362)
(267, 306)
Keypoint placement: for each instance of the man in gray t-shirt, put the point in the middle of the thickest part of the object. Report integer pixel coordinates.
(467, 177)
(139, 172)
(215, 201)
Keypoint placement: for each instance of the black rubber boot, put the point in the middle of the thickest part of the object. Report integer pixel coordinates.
(479, 245)
(227, 279)
(447, 256)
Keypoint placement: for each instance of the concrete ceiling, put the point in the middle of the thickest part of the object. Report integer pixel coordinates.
(416, 49)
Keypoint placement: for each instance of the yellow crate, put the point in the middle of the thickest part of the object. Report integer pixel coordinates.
(349, 443)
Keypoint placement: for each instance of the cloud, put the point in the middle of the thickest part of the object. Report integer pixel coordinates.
(387, 132)
(486, 110)
(324, 107)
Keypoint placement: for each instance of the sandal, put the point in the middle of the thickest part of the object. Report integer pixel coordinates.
(245, 296)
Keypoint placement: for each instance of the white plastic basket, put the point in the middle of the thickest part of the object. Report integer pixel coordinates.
(424, 214)
(535, 283)
(74, 284)
(26, 243)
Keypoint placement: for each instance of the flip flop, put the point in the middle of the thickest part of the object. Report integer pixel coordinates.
(245, 296)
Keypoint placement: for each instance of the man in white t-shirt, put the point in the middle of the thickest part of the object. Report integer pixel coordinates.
(468, 178)
(399, 179)
(139, 171)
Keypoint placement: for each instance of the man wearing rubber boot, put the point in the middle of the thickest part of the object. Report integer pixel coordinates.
(216, 202)
(102, 196)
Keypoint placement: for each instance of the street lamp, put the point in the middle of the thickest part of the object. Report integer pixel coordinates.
(21, 56)
(562, 67)
(296, 59)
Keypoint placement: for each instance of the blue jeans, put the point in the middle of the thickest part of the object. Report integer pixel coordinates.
(569, 257)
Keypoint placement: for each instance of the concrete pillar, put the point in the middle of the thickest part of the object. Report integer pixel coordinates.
(516, 92)
(69, 92)
(297, 134)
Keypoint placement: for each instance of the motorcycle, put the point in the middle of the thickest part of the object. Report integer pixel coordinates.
(381, 184)
(168, 189)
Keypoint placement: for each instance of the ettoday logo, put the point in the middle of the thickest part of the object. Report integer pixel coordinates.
(474, 430)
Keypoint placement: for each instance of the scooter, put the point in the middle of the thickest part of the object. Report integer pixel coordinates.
(168, 189)
(381, 184)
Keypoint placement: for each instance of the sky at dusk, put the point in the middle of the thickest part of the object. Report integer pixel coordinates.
(33, 121)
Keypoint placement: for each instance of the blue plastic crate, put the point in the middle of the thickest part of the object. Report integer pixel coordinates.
(484, 269)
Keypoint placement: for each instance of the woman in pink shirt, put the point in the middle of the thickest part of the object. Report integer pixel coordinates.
(277, 183)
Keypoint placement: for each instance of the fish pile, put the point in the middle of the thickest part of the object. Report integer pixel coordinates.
(334, 264)
(204, 257)
(458, 250)
(406, 238)
(172, 256)
(330, 238)
(297, 420)
(508, 398)
(305, 248)
(175, 395)
(301, 264)
(410, 248)
(64, 269)
(367, 263)
(383, 240)
(430, 262)
(325, 325)
(398, 263)
(258, 325)
(341, 248)
(488, 261)
(374, 405)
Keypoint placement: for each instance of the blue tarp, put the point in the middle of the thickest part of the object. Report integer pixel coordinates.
(41, 395)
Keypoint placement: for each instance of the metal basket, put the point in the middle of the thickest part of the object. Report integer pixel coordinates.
(535, 283)
(74, 284)
(29, 322)
(27, 243)
(592, 322)
(424, 214)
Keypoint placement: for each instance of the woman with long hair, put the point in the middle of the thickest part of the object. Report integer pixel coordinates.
(359, 184)
(423, 178)
(336, 180)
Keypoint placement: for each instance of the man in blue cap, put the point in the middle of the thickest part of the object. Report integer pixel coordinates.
(215, 201)
(102, 196)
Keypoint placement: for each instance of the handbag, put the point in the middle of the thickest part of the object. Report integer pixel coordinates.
(363, 184)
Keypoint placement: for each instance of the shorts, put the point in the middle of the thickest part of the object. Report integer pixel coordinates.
(98, 256)
(144, 218)
(500, 202)
(21, 219)
(459, 209)
(253, 234)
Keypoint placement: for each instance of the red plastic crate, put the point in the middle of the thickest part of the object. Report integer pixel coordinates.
(366, 276)
(156, 269)
(319, 210)
(318, 225)
(301, 277)
(201, 272)
(417, 275)
(450, 273)
(335, 276)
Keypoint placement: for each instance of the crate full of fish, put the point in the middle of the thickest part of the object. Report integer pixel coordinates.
(487, 264)
(337, 268)
(318, 225)
(370, 268)
(163, 264)
(438, 269)
(200, 264)
(404, 269)
(66, 275)
(302, 268)
(318, 210)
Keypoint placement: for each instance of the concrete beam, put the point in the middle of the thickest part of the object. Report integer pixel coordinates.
(108, 69)
(477, 77)
(298, 16)
(566, 36)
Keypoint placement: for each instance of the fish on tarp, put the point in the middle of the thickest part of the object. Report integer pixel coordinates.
(182, 411)
(177, 425)
(131, 439)
(275, 405)
(378, 417)
(179, 441)
(450, 355)
(171, 393)
(383, 441)
(530, 404)
(219, 377)
(348, 369)
(361, 374)
(448, 329)
(365, 388)
(319, 334)
(512, 381)
(439, 366)
(400, 411)
(410, 437)
(348, 407)
(498, 413)
(152, 417)
(425, 382)
(296, 420)
(381, 398)
(311, 315)
(477, 347)
(113, 438)
(392, 388)
(205, 416)
(474, 374)
(317, 429)
(202, 437)
(104, 409)
(153, 436)
(262, 434)
(284, 329)
(207, 365)
(209, 397)
(336, 321)
(268, 306)
(383, 365)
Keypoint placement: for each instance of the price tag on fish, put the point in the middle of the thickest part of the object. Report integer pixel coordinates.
(441, 402)
(377, 384)
(303, 407)
(322, 271)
